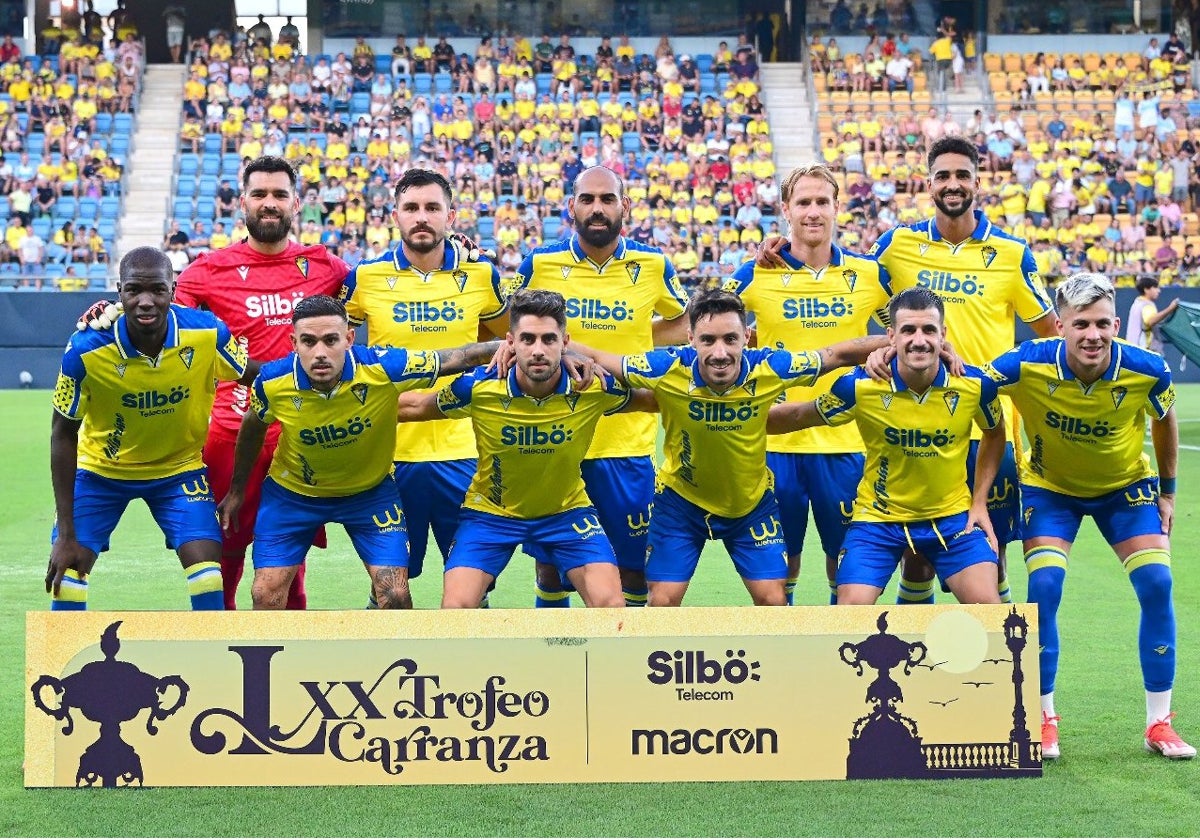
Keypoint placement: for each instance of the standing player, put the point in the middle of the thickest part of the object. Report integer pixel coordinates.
(532, 426)
(613, 287)
(831, 295)
(253, 286)
(1083, 400)
(917, 429)
(714, 397)
(131, 409)
(422, 296)
(336, 407)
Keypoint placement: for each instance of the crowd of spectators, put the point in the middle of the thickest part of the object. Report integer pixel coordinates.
(1104, 181)
(55, 112)
(510, 125)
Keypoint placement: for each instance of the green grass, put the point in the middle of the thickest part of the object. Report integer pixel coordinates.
(1106, 785)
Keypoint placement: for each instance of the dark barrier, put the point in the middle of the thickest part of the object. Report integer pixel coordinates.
(36, 327)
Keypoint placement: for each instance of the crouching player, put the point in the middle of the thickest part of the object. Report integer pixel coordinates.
(131, 412)
(714, 484)
(917, 430)
(533, 426)
(1083, 399)
(336, 407)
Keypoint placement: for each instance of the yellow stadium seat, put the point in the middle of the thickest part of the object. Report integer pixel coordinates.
(1003, 98)
(921, 97)
(825, 124)
(992, 62)
(1091, 61)
(997, 81)
(1191, 224)
(819, 82)
(1012, 63)
(1153, 243)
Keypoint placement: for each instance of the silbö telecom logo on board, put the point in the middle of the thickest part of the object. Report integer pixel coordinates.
(694, 675)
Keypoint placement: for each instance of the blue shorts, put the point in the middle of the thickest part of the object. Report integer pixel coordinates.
(621, 490)
(431, 496)
(828, 483)
(373, 519)
(182, 505)
(1004, 499)
(1120, 515)
(569, 540)
(870, 553)
(679, 530)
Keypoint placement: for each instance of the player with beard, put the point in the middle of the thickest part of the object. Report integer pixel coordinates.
(613, 288)
(984, 277)
(252, 286)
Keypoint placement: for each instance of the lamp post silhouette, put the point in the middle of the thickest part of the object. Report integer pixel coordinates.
(1016, 629)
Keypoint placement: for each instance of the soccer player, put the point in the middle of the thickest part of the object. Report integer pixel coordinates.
(714, 396)
(613, 287)
(532, 426)
(831, 295)
(917, 429)
(1083, 399)
(252, 286)
(336, 407)
(131, 411)
(421, 296)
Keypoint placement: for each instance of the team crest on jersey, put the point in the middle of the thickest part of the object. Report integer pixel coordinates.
(1051, 387)
(1118, 396)
(828, 402)
(851, 278)
(243, 271)
(120, 366)
(186, 354)
(989, 254)
(460, 278)
(302, 264)
(566, 271)
(637, 364)
(886, 399)
(951, 398)
(297, 402)
(634, 270)
(505, 401)
(572, 398)
(731, 285)
(923, 247)
(751, 387)
(360, 393)
(786, 279)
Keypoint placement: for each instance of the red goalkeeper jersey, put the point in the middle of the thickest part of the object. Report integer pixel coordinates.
(253, 294)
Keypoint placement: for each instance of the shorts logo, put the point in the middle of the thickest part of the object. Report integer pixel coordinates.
(360, 393)
(388, 522)
(588, 526)
(199, 487)
(998, 494)
(186, 354)
(765, 530)
(1027, 514)
(638, 522)
(1140, 496)
(951, 398)
(1118, 396)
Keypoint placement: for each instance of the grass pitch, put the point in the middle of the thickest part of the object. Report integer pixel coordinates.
(1104, 786)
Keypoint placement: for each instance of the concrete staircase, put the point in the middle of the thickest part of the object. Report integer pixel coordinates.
(150, 169)
(785, 93)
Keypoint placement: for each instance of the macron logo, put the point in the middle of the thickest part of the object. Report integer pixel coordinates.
(242, 271)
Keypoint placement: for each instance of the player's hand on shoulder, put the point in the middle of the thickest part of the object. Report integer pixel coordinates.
(502, 360)
(101, 315)
(581, 369)
(769, 252)
(879, 364)
(468, 249)
(952, 360)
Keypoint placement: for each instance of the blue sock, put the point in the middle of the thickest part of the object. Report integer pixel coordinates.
(72, 594)
(915, 591)
(1004, 589)
(204, 585)
(1150, 573)
(544, 599)
(832, 591)
(1047, 572)
(789, 588)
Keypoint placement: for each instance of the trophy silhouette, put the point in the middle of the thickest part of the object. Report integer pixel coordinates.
(109, 693)
(885, 744)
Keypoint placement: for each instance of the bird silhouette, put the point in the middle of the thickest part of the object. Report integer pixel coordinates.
(934, 665)
(997, 661)
(943, 703)
(976, 684)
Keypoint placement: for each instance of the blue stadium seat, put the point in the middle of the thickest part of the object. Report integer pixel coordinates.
(181, 209)
(210, 165)
(206, 208)
(122, 124)
(189, 163)
(207, 187)
(119, 146)
(704, 62)
(41, 226)
(551, 229)
(631, 141)
(55, 253)
(383, 63)
(107, 228)
(104, 123)
(110, 207)
(544, 82)
(212, 144)
(66, 206)
(423, 83)
(5, 207)
(486, 226)
(186, 188)
(88, 209)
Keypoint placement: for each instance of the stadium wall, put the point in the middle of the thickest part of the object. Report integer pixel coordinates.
(37, 326)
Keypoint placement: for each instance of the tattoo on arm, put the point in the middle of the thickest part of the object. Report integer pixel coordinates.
(458, 359)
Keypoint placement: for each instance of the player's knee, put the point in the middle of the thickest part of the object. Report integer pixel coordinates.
(1152, 582)
(663, 597)
(771, 598)
(606, 598)
(269, 593)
